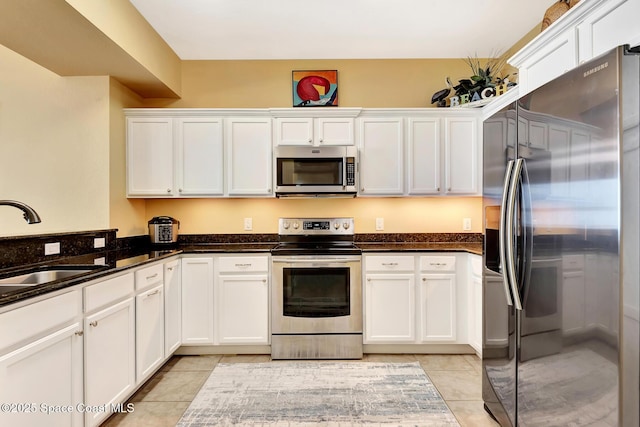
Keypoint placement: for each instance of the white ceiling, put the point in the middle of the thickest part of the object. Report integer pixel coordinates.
(341, 29)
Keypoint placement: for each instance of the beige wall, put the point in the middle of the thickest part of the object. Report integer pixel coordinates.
(401, 215)
(127, 215)
(54, 148)
(407, 83)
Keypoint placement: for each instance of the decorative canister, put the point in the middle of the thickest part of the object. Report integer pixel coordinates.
(573, 3)
(554, 12)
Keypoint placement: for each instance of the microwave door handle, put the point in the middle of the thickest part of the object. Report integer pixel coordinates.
(502, 232)
(509, 233)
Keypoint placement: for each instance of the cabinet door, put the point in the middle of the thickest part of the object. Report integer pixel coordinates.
(150, 157)
(149, 332)
(172, 307)
(47, 371)
(242, 309)
(249, 156)
(538, 135)
(200, 156)
(381, 156)
(294, 131)
(389, 308)
(423, 151)
(462, 155)
(197, 301)
(613, 23)
(334, 131)
(557, 57)
(109, 347)
(438, 307)
(573, 300)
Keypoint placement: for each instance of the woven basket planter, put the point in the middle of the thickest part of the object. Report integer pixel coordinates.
(554, 12)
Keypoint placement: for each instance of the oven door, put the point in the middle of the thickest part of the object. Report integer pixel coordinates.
(316, 294)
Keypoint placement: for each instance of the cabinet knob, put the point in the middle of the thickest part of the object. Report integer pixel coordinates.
(449, 189)
(362, 189)
(179, 190)
(79, 333)
(438, 188)
(320, 139)
(310, 140)
(424, 279)
(268, 190)
(168, 190)
(94, 323)
(264, 280)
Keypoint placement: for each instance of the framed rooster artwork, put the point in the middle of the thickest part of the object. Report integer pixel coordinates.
(315, 88)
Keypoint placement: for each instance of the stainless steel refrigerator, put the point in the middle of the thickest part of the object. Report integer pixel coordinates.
(560, 278)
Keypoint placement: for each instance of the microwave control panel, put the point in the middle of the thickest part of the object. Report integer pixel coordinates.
(351, 172)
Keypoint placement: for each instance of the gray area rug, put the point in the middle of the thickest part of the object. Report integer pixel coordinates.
(297, 394)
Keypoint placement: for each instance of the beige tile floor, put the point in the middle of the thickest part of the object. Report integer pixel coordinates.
(164, 398)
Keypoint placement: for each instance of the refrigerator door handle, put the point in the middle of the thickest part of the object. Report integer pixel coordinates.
(502, 232)
(527, 233)
(509, 232)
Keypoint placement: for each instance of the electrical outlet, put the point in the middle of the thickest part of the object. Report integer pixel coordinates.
(99, 242)
(52, 248)
(248, 224)
(466, 224)
(379, 224)
(100, 261)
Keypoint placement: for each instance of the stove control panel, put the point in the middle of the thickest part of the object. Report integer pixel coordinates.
(315, 226)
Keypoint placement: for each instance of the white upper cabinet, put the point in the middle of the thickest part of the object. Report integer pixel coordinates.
(462, 156)
(172, 157)
(424, 154)
(200, 156)
(590, 28)
(150, 156)
(381, 145)
(314, 131)
(248, 142)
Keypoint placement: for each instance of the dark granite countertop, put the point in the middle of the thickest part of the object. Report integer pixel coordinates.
(112, 262)
(137, 252)
(472, 248)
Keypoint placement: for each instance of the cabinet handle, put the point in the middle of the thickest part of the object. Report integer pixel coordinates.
(438, 189)
(168, 190)
(243, 265)
(310, 140)
(449, 189)
(437, 264)
(268, 190)
(170, 268)
(362, 189)
(390, 264)
(424, 279)
(320, 139)
(157, 291)
(152, 276)
(94, 323)
(79, 333)
(264, 280)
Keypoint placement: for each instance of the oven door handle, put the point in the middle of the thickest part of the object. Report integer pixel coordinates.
(315, 261)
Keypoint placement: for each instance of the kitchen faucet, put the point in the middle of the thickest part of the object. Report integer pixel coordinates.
(30, 215)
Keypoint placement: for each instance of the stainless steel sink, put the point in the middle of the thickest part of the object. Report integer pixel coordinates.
(47, 274)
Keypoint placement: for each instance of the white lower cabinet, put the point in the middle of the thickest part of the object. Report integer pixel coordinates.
(109, 347)
(149, 332)
(242, 300)
(389, 308)
(197, 301)
(389, 299)
(44, 369)
(415, 299)
(438, 307)
(172, 307)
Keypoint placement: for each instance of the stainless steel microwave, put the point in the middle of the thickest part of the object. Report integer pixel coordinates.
(316, 171)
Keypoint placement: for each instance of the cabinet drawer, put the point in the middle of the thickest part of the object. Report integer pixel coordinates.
(573, 262)
(243, 264)
(106, 292)
(28, 322)
(149, 276)
(390, 263)
(437, 263)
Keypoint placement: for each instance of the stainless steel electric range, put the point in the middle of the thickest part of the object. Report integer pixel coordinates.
(316, 290)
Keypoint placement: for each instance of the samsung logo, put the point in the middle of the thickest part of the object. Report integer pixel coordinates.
(596, 69)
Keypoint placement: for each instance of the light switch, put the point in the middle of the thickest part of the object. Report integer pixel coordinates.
(379, 224)
(248, 224)
(466, 224)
